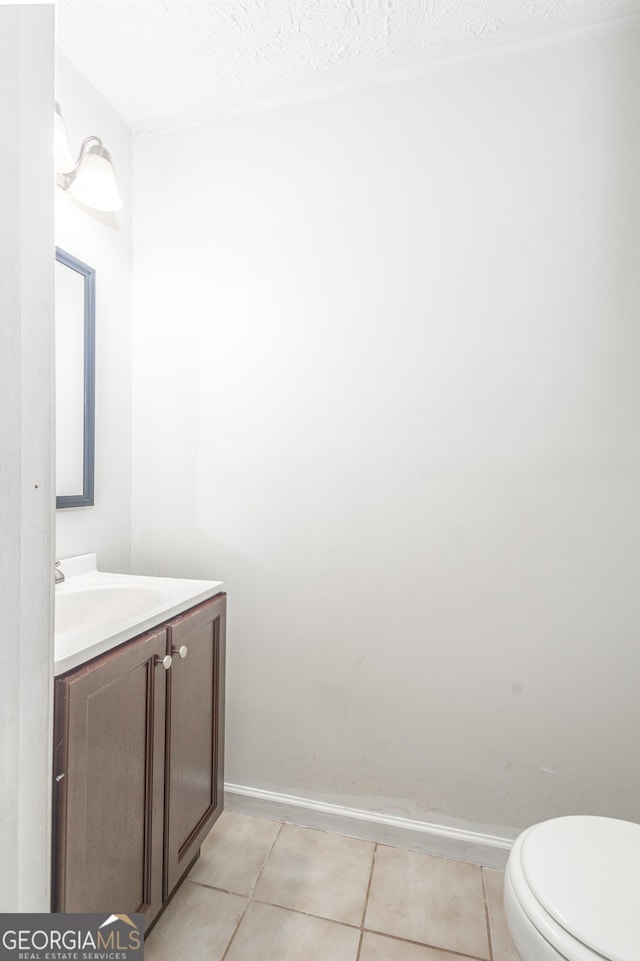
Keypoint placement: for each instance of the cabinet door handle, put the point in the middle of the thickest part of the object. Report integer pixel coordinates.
(165, 661)
(181, 651)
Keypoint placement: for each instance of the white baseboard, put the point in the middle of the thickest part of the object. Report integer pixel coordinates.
(462, 844)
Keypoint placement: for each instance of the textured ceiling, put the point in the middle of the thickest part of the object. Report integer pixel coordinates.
(161, 63)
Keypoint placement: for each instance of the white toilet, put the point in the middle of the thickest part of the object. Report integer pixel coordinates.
(572, 890)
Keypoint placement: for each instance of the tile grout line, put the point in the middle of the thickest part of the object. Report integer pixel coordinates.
(266, 858)
(366, 901)
(352, 927)
(394, 937)
(426, 944)
(308, 914)
(250, 895)
(485, 895)
(285, 907)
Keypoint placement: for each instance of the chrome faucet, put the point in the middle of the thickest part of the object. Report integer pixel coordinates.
(58, 573)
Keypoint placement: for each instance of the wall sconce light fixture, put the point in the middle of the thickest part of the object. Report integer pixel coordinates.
(91, 178)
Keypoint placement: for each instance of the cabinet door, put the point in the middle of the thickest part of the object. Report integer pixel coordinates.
(109, 781)
(195, 734)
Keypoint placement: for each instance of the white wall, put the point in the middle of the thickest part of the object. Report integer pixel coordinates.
(104, 242)
(26, 448)
(386, 387)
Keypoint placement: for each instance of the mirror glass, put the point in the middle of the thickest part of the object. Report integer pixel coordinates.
(75, 380)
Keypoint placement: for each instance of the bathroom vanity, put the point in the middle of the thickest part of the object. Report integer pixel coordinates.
(138, 754)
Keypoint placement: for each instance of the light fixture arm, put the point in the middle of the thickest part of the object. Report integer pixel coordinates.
(84, 146)
(65, 180)
(91, 180)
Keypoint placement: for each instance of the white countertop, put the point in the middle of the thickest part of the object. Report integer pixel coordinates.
(96, 610)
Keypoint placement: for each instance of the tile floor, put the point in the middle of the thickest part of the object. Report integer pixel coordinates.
(266, 891)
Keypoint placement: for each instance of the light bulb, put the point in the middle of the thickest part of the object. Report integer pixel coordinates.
(94, 183)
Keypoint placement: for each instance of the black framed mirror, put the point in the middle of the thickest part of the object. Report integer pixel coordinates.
(75, 322)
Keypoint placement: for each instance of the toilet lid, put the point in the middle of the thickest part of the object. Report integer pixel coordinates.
(584, 872)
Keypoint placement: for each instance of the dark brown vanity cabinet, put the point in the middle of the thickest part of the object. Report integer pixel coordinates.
(138, 765)
(195, 735)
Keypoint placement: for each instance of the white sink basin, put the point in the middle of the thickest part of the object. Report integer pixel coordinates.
(79, 609)
(95, 611)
